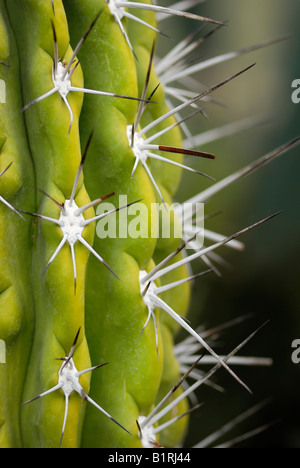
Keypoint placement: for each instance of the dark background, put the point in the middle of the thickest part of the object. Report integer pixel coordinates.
(264, 279)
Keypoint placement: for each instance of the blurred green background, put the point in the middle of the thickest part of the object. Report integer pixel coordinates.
(264, 279)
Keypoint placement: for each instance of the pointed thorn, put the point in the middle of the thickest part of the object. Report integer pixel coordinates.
(171, 149)
(30, 401)
(6, 169)
(71, 352)
(60, 205)
(86, 148)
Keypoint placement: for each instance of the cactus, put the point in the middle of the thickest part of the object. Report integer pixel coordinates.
(89, 321)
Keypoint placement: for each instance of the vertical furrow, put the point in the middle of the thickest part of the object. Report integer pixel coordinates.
(56, 155)
(16, 304)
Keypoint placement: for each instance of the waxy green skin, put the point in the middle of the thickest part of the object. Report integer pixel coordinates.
(168, 178)
(115, 311)
(16, 308)
(110, 312)
(56, 156)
